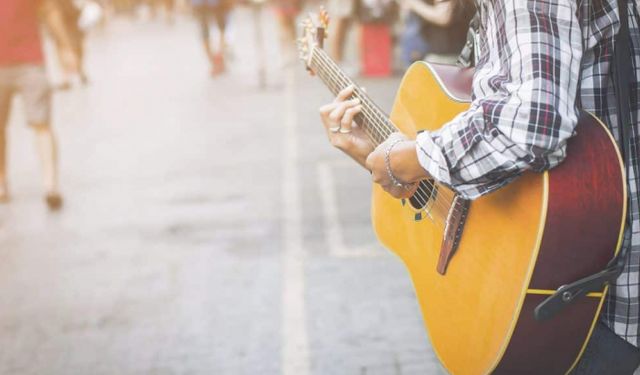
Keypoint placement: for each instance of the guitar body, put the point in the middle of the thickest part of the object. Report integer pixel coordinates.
(519, 244)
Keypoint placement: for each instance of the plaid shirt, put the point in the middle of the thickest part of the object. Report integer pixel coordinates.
(538, 61)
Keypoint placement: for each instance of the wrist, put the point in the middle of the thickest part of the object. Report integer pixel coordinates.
(405, 164)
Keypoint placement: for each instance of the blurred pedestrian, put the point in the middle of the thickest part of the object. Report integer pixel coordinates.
(62, 21)
(435, 30)
(22, 72)
(287, 11)
(343, 14)
(207, 11)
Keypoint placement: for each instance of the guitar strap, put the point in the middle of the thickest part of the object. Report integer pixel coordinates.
(623, 76)
(468, 55)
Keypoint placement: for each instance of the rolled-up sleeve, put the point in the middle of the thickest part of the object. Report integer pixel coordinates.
(524, 99)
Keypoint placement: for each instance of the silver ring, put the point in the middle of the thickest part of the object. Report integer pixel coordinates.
(342, 131)
(335, 129)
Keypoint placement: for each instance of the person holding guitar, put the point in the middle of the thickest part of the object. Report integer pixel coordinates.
(539, 62)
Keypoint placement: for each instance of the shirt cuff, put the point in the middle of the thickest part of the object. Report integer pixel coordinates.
(432, 159)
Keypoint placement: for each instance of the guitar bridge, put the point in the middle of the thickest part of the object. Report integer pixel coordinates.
(452, 232)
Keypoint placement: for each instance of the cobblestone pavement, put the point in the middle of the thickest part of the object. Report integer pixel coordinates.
(208, 229)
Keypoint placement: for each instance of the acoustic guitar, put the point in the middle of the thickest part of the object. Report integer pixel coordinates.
(486, 272)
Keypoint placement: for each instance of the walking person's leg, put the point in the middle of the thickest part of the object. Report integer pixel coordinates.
(202, 14)
(35, 90)
(221, 14)
(343, 13)
(339, 38)
(48, 151)
(6, 94)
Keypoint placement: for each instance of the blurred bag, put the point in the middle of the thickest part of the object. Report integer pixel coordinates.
(376, 50)
(377, 11)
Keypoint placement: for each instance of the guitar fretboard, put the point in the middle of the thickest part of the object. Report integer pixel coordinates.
(372, 119)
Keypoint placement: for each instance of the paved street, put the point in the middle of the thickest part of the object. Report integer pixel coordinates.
(208, 226)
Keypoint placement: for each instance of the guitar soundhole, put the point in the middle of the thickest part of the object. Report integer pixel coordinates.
(426, 192)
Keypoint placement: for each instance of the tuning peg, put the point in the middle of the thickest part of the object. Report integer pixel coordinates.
(324, 18)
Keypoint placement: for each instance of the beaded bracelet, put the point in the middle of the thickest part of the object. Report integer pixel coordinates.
(387, 161)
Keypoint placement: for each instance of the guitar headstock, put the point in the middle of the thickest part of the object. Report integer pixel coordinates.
(314, 33)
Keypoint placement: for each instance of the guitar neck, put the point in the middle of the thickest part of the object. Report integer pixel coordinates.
(372, 120)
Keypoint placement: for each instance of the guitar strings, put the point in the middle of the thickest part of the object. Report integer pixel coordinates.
(337, 79)
(372, 123)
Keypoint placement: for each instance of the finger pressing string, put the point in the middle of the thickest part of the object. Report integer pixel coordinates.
(347, 120)
(344, 94)
(338, 113)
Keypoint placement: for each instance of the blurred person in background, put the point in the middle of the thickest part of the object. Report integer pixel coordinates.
(343, 13)
(61, 20)
(22, 72)
(287, 11)
(435, 29)
(213, 10)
